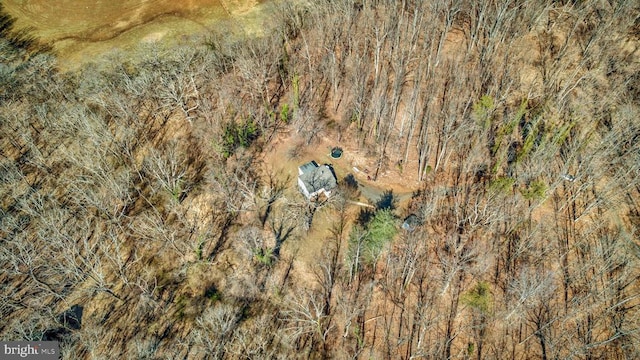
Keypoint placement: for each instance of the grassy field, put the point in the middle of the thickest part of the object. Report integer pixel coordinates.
(80, 30)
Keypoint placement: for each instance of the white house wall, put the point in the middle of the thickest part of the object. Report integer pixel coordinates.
(303, 188)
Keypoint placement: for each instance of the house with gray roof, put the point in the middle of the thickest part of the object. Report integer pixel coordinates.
(314, 179)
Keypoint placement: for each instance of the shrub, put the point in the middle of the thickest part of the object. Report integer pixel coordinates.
(238, 135)
(479, 297)
(535, 191)
(367, 242)
(284, 113)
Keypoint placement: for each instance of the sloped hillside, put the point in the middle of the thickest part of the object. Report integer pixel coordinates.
(143, 213)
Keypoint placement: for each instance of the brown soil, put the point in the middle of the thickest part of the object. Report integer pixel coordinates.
(82, 29)
(289, 150)
(280, 156)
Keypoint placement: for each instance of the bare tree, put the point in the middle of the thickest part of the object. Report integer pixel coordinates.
(215, 329)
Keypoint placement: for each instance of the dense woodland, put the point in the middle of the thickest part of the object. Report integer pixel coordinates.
(137, 219)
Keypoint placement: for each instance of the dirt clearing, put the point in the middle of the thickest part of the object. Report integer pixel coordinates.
(283, 156)
(289, 151)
